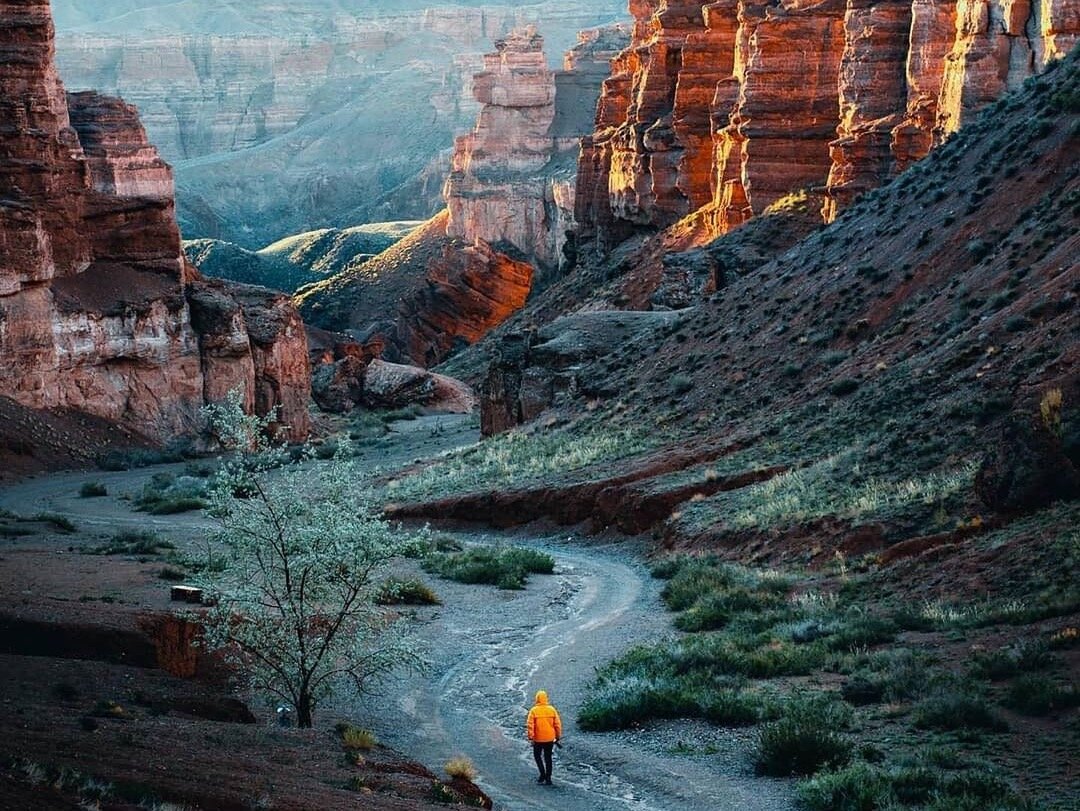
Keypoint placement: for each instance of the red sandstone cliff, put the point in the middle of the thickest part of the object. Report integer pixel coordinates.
(720, 109)
(99, 311)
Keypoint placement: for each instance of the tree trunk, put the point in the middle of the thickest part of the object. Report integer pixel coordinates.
(303, 710)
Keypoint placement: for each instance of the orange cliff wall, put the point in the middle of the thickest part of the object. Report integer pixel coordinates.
(719, 109)
(96, 300)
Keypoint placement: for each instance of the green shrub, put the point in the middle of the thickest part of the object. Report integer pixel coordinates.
(694, 579)
(715, 610)
(843, 386)
(505, 568)
(858, 787)
(93, 490)
(804, 741)
(862, 689)
(1023, 657)
(1037, 695)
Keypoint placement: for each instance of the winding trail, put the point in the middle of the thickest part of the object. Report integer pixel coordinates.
(489, 651)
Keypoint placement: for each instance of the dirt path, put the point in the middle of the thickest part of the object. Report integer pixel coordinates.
(489, 651)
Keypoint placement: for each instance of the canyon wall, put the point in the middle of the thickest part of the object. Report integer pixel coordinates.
(99, 311)
(721, 109)
(281, 120)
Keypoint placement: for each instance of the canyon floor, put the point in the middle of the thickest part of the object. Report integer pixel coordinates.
(488, 651)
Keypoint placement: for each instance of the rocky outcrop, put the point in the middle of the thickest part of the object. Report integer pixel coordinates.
(511, 183)
(99, 311)
(709, 112)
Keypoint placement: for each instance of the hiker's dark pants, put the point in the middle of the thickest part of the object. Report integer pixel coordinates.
(542, 756)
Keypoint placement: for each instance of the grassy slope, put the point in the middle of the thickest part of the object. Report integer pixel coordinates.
(293, 262)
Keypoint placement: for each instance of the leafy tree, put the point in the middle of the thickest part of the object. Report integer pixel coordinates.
(292, 568)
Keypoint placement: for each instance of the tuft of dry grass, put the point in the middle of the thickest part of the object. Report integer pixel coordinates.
(461, 766)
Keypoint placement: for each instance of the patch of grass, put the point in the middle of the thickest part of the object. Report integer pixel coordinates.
(133, 542)
(506, 568)
(808, 493)
(406, 592)
(514, 457)
(952, 711)
(172, 574)
(93, 490)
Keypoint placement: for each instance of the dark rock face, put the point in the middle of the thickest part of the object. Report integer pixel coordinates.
(100, 311)
(1028, 468)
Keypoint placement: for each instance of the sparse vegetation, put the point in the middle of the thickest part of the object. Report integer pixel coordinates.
(516, 457)
(507, 568)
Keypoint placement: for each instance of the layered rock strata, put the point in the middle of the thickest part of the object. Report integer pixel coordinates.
(721, 109)
(99, 311)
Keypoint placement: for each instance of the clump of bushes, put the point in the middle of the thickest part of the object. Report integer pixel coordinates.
(958, 711)
(406, 592)
(93, 490)
(804, 740)
(166, 494)
(507, 568)
(861, 786)
(1038, 695)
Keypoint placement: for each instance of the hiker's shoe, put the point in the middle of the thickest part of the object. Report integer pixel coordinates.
(541, 780)
(547, 781)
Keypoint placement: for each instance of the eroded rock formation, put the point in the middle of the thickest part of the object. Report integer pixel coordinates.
(99, 311)
(510, 203)
(511, 184)
(720, 109)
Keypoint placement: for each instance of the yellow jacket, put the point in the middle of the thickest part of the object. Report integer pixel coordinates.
(543, 724)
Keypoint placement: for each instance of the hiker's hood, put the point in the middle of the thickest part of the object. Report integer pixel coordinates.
(541, 697)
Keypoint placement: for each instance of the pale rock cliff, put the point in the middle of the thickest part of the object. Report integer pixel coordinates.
(95, 297)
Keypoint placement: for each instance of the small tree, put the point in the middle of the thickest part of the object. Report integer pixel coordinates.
(292, 567)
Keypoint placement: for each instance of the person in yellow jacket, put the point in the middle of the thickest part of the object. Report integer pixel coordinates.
(544, 728)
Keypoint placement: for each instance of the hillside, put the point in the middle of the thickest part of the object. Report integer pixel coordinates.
(293, 262)
(878, 423)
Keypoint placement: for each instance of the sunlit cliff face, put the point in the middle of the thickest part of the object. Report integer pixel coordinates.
(721, 109)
